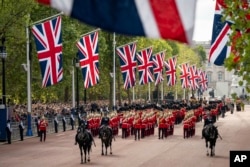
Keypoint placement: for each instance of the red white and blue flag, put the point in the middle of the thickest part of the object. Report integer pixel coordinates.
(168, 19)
(220, 49)
(193, 77)
(158, 63)
(170, 66)
(145, 66)
(127, 55)
(48, 39)
(203, 82)
(184, 75)
(89, 58)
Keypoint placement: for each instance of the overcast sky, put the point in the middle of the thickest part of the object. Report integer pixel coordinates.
(204, 20)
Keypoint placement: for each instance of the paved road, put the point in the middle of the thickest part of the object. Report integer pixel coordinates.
(59, 149)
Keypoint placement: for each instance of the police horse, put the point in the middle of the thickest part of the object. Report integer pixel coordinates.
(106, 138)
(210, 134)
(84, 141)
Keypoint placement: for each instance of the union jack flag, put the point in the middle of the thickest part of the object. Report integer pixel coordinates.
(193, 77)
(220, 49)
(170, 65)
(203, 82)
(158, 59)
(184, 76)
(145, 66)
(127, 57)
(48, 39)
(89, 58)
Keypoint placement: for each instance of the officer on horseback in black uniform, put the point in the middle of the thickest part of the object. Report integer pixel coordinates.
(84, 123)
(104, 122)
(208, 121)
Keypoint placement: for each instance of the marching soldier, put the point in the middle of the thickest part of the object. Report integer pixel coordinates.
(21, 129)
(42, 128)
(137, 126)
(162, 126)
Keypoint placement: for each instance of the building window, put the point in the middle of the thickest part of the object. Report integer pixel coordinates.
(220, 76)
(209, 77)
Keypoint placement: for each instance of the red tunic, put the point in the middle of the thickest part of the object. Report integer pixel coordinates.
(138, 123)
(43, 124)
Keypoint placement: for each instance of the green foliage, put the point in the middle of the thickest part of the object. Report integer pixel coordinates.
(239, 15)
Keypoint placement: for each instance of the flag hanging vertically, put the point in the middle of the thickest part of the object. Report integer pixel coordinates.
(48, 39)
(145, 66)
(203, 82)
(89, 58)
(193, 77)
(184, 76)
(170, 65)
(127, 57)
(168, 19)
(220, 49)
(158, 60)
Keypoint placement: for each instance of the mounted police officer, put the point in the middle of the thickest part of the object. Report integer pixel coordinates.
(208, 120)
(104, 122)
(83, 122)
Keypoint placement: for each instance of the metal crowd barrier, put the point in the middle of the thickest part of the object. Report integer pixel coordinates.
(15, 135)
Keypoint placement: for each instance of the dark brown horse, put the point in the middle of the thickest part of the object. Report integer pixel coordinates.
(210, 134)
(106, 138)
(84, 141)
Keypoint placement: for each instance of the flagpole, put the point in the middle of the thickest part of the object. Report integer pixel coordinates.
(184, 94)
(133, 93)
(73, 86)
(29, 129)
(175, 92)
(39, 21)
(149, 99)
(114, 93)
(162, 90)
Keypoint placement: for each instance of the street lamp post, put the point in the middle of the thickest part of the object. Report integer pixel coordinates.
(76, 63)
(3, 56)
(3, 109)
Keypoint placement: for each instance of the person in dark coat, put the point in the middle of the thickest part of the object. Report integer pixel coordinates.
(56, 124)
(72, 121)
(21, 129)
(8, 131)
(37, 121)
(64, 123)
